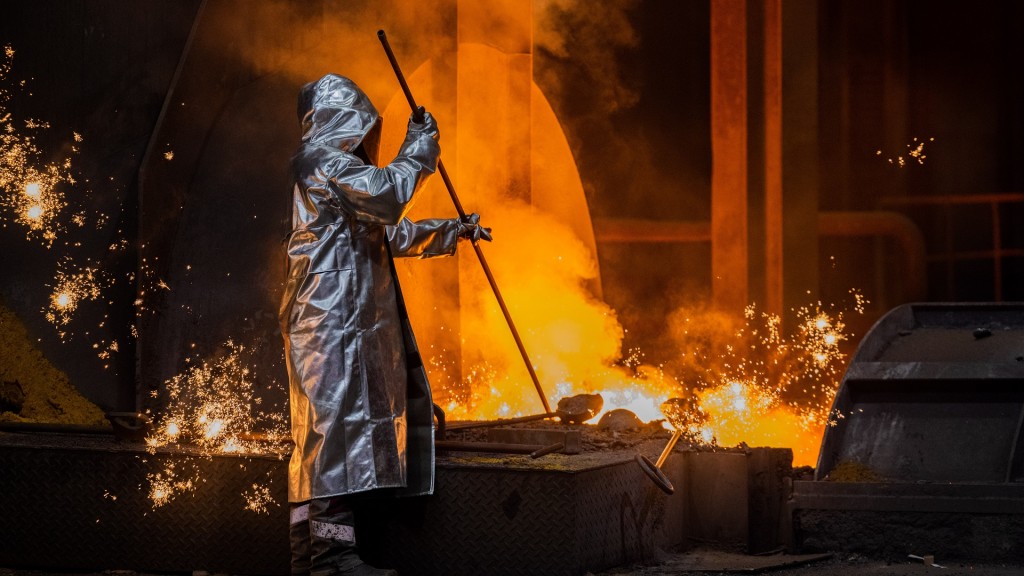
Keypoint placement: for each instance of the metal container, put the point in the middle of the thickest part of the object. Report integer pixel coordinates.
(926, 454)
(934, 393)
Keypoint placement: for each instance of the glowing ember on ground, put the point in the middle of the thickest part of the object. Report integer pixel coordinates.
(214, 408)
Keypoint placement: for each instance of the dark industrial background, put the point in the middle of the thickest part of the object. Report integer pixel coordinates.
(635, 107)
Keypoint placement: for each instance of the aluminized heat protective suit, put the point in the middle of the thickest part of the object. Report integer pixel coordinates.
(360, 403)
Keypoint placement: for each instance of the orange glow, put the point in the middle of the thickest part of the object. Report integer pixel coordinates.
(748, 414)
(748, 382)
(741, 376)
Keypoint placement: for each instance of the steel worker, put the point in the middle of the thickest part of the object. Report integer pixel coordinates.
(361, 409)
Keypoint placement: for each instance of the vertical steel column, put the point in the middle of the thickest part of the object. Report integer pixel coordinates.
(800, 151)
(729, 154)
(773, 192)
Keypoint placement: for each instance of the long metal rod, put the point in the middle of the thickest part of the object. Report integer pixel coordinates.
(668, 447)
(462, 214)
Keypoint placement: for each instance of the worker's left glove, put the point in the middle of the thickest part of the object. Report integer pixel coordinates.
(425, 125)
(470, 228)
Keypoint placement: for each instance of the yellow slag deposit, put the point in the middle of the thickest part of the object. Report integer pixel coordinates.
(49, 395)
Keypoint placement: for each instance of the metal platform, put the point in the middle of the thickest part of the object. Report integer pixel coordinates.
(510, 515)
(953, 521)
(80, 503)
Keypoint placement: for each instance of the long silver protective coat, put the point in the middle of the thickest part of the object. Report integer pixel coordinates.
(360, 404)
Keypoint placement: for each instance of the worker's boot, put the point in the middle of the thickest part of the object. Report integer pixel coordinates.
(334, 551)
(299, 538)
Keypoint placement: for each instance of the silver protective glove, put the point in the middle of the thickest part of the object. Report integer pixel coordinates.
(423, 121)
(470, 228)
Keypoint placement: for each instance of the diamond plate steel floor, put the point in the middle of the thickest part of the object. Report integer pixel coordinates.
(81, 503)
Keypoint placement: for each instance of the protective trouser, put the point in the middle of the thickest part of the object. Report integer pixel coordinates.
(323, 540)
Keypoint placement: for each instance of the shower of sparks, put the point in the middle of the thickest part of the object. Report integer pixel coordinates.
(753, 382)
(258, 499)
(32, 190)
(915, 152)
(213, 408)
(165, 485)
(33, 195)
(105, 350)
(71, 289)
(148, 282)
(753, 378)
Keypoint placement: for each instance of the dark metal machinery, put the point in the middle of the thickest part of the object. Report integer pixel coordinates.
(926, 450)
(935, 392)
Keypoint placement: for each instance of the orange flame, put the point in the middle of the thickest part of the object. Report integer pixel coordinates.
(757, 384)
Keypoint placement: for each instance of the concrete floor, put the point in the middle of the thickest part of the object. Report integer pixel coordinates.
(712, 562)
(707, 562)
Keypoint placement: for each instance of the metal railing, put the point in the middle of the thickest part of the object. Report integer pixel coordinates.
(877, 224)
(951, 253)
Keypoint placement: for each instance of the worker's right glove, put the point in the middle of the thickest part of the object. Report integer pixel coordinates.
(470, 228)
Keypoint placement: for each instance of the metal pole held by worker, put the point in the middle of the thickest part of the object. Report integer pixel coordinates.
(418, 115)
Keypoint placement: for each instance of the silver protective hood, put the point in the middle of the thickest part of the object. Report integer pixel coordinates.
(335, 111)
(360, 404)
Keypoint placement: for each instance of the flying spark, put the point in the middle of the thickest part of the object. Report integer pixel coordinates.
(915, 151)
(71, 289)
(755, 382)
(33, 190)
(213, 408)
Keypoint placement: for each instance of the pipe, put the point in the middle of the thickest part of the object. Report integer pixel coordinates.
(893, 225)
(676, 434)
(622, 230)
(501, 421)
